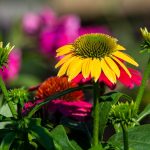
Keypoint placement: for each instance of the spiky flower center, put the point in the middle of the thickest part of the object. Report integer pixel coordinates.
(94, 45)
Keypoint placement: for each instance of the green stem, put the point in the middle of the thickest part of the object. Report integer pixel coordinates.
(96, 114)
(10, 103)
(125, 137)
(143, 85)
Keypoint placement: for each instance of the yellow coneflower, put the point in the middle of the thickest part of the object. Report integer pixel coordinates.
(92, 54)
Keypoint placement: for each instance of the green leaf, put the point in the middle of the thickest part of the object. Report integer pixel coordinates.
(4, 118)
(144, 113)
(60, 137)
(105, 106)
(3, 132)
(97, 147)
(43, 136)
(75, 145)
(139, 138)
(7, 141)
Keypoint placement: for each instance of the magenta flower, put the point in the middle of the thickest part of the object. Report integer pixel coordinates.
(64, 31)
(79, 110)
(13, 68)
(48, 18)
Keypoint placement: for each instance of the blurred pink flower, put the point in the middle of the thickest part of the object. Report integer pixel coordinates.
(64, 31)
(48, 18)
(13, 68)
(31, 23)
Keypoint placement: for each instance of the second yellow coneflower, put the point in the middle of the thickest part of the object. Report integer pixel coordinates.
(92, 54)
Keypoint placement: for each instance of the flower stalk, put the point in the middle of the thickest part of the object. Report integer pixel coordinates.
(10, 103)
(125, 136)
(96, 114)
(142, 87)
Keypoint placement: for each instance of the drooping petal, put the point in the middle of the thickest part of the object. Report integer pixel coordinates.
(113, 65)
(105, 80)
(64, 67)
(64, 50)
(125, 57)
(119, 47)
(95, 68)
(122, 65)
(63, 60)
(74, 68)
(86, 67)
(108, 72)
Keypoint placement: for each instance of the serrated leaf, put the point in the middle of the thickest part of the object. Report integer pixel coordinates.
(105, 106)
(144, 113)
(139, 138)
(60, 137)
(43, 136)
(7, 141)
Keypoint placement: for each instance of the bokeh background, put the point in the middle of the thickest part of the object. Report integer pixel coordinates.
(120, 18)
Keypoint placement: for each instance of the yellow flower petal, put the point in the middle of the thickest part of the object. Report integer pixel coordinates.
(125, 57)
(64, 67)
(113, 66)
(63, 60)
(119, 47)
(108, 72)
(95, 68)
(86, 67)
(122, 65)
(64, 50)
(74, 68)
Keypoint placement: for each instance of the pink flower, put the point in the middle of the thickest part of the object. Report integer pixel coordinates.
(31, 23)
(79, 110)
(13, 68)
(64, 31)
(48, 18)
(68, 27)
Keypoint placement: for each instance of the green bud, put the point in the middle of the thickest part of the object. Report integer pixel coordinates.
(145, 46)
(123, 113)
(19, 95)
(4, 53)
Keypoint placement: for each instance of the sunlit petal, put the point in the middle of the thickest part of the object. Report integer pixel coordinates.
(113, 65)
(64, 50)
(108, 72)
(95, 69)
(86, 67)
(63, 60)
(119, 47)
(125, 57)
(122, 65)
(64, 67)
